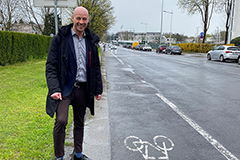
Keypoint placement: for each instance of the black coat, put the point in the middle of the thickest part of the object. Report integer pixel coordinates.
(61, 67)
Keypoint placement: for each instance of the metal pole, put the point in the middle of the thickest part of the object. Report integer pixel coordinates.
(56, 20)
(146, 34)
(146, 31)
(171, 28)
(170, 12)
(201, 46)
(161, 23)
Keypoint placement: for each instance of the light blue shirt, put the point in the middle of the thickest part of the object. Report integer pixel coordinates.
(80, 50)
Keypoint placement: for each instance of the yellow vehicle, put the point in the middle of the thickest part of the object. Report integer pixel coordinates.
(134, 44)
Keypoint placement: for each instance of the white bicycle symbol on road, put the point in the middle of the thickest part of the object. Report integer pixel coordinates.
(161, 144)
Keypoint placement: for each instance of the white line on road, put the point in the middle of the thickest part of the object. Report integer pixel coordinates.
(199, 129)
(118, 58)
(143, 81)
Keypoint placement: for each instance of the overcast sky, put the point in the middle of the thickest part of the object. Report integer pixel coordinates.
(131, 13)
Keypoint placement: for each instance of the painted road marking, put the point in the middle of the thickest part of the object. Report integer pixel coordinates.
(192, 123)
(199, 129)
(118, 58)
(135, 144)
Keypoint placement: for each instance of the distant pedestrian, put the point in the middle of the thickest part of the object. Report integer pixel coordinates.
(74, 78)
(104, 47)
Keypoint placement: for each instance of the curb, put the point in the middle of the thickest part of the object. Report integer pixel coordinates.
(96, 143)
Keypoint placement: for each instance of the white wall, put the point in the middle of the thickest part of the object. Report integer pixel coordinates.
(236, 20)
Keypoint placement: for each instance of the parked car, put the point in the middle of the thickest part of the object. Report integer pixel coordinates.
(160, 48)
(137, 47)
(141, 47)
(238, 60)
(173, 50)
(147, 48)
(223, 53)
(129, 46)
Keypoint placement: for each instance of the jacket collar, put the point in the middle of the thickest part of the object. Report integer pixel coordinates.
(65, 30)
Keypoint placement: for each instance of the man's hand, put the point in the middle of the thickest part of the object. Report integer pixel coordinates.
(57, 96)
(98, 97)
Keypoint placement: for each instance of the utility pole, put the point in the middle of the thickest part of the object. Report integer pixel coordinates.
(161, 24)
(56, 20)
(231, 22)
(170, 12)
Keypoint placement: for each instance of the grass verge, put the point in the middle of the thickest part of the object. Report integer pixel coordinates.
(26, 129)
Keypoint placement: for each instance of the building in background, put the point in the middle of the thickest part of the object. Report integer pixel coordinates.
(23, 28)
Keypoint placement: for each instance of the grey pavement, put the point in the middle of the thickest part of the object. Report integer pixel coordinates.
(96, 143)
(195, 54)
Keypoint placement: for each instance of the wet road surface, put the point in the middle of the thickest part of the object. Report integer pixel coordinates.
(172, 106)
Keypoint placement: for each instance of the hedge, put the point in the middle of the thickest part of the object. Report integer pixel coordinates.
(19, 47)
(236, 41)
(195, 47)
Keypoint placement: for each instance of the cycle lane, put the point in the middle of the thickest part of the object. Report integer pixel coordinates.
(136, 111)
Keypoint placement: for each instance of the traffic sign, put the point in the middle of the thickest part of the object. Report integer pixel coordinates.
(201, 35)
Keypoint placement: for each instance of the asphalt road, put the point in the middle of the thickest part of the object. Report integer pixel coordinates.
(173, 107)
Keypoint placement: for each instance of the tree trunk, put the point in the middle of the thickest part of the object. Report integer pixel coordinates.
(205, 21)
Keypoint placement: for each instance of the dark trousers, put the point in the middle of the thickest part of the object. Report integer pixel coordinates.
(78, 100)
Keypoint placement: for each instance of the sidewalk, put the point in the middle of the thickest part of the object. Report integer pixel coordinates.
(96, 143)
(195, 54)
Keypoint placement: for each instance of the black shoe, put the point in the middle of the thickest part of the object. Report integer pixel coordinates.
(83, 157)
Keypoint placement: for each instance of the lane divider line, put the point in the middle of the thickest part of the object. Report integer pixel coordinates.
(199, 129)
(118, 58)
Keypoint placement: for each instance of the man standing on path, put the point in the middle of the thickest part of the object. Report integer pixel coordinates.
(74, 78)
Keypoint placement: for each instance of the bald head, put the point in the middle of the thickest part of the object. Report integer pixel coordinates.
(80, 10)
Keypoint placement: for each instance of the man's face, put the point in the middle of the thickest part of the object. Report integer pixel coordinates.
(80, 21)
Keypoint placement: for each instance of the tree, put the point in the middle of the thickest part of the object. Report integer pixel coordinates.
(21, 21)
(179, 37)
(226, 5)
(49, 24)
(204, 7)
(100, 13)
(35, 14)
(9, 13)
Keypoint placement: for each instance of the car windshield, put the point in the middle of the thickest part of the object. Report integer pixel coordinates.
(176, 47)
(233, 48)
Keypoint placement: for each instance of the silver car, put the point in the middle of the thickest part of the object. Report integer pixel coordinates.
(223, 53)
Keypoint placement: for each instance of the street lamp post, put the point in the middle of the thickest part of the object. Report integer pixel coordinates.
(197, 35)
(121, 35)
(170, 12)
(132, 30)
(146, 30)
(161, 23)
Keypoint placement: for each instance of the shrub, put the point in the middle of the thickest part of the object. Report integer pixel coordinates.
(20, 47)
(195, 47)
(236, 41)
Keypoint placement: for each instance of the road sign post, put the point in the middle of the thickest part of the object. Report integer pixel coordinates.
(54, 4)
(201, 36)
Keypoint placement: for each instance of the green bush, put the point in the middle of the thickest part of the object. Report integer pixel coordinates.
(20, 47)
(236, 41)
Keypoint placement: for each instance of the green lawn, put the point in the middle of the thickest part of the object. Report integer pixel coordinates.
(25, 128)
